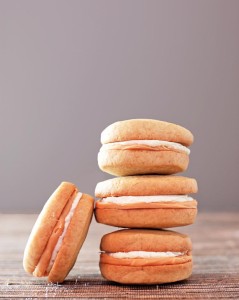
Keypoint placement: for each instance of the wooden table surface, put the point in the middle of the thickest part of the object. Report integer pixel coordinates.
(215, 275)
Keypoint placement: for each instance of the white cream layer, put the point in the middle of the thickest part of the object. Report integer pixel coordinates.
(146, 199)
(61, 237)
(153, 143)
(144, 254)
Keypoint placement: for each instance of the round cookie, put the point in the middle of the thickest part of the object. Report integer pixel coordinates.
(143, 146)
(146, 201)
(146, 129)
(142, 256)
(58, 233)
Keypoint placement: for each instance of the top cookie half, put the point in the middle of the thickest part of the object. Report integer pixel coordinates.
(146, 129)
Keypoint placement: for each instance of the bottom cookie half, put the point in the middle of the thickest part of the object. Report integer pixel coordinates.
(146, 274)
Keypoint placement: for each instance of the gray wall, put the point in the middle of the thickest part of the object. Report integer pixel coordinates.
(70, 68)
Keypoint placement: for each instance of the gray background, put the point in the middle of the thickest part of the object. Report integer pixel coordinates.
(70, 68)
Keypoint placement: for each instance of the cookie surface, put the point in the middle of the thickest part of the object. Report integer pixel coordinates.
(63, 222)
(136, 162)
(143, 256)
(147, 201)
(146, 129)
(146, 185)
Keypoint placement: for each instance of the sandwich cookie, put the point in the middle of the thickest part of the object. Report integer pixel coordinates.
(58, 233)
(146, 201)
(143, 256)
(143, 146)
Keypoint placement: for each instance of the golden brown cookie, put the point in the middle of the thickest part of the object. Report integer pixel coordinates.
(141, 256)
(143, 146)
(58, 233)
(146, 129)
(146, 201)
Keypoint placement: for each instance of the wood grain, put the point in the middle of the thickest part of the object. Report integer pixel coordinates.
(215, 275)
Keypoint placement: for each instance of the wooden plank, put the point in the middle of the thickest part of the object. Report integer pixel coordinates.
(215, 275)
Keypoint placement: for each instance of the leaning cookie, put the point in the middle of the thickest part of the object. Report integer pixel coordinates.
(146, 201)
(144, 146)
(142, 256)
(58, 233)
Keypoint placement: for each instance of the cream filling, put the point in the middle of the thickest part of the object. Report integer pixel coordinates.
(152, 143)
(66, 224)
(145, 254)
(146, 199)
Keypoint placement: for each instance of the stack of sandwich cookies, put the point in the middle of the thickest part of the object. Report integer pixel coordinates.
(146, 198)
(58, 233)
